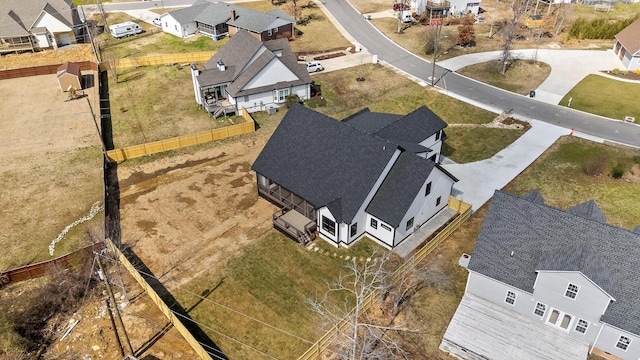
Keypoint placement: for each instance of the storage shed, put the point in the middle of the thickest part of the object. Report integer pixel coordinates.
(69, 76)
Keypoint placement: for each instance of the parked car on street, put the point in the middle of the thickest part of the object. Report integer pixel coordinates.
(314, 66)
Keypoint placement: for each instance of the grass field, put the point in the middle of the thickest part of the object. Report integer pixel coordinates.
(272, 281)
(468, 144)
(521, 76)
(603, 96)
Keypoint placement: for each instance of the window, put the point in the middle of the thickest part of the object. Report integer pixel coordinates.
(438, 200)
(384, 226)
(623, 343)
(246, 98)
(511, 298)
(582, 326)
(374, 223)
(328, 225)
(409, 224)
(428, 190)
(175, 26)
(438, 135)
(572, 291)
(540, 309)
(275, 30)
(354, 229)
(280, 95)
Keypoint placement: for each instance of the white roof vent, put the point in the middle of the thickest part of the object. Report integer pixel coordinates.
(221, 65)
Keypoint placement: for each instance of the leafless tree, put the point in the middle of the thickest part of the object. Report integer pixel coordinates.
(344, 307)
(293, 9)
(511, 30)
(429, 36)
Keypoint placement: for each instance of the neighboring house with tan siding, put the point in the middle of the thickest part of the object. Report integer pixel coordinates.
(31, 25)
(627, 46)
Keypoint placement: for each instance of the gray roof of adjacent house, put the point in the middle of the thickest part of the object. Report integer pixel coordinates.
(256, 21)
(413, 127)
(237, 54)
(324, 161)
(400, 187)
(17, 17)
(545, 238)
(190, 13)
(629, 37)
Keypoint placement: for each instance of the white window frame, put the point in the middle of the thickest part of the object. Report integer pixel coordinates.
(280, 95)
(623, 343)
(572, 291)
(542, 307)
(582, 326)
(511, 298)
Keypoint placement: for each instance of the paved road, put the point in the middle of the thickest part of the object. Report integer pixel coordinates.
(361, 31)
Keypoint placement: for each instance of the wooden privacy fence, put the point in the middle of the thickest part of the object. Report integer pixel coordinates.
(173, 319)
(155, 147)
(464, 211)
(37, 270)
(154, 60)
(42, 70)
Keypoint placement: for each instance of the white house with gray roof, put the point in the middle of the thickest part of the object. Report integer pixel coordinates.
(37, 24)
(548, 284)
(250, 74)
(217, 19)
(367, 175)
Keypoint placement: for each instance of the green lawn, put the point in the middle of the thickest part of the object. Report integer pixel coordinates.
(468, 144)
(272, 281)
(560, 177)
(521, 76)
(606, 97)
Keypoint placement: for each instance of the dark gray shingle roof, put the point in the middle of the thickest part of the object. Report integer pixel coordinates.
(399, 188)
(589, 210)
(370, 122)
(534, 196)
(413, 127)
(323, 160)
(545, 238)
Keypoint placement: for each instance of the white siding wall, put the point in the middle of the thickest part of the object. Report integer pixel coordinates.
(609, 338)
(275, 71)
(333, 239)
(52, 24)
(252, 102)
(433, 144)
(590, 302)
(363, 218)
(42, 41)
(381, 235)
(496, 292)
(173, 27)
(424, 207)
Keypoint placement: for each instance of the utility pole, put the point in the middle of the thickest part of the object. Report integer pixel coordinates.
(127, 343)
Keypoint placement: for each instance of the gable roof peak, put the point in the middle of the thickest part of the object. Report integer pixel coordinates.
(534, 196)
(588, 210)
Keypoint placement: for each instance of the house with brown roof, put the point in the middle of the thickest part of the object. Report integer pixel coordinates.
(29, 25)
(627, 46)
(251, 74)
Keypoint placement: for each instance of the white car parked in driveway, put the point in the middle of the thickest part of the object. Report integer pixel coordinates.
(314, 66)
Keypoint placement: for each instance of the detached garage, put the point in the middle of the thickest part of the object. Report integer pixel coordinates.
(69, 76)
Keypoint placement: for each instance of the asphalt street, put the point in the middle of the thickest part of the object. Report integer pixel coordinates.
(361, 31)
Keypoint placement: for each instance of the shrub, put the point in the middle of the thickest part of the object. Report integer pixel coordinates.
(615, 71)
(291, 99)
(618, 170)
(636, 71)
(594, 166)
(598, 28)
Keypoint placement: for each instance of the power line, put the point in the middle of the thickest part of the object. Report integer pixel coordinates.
(236, 311)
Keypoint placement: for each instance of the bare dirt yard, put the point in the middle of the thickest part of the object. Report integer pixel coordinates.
(51, 163)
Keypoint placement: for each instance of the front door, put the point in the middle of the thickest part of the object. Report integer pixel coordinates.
(559, 319)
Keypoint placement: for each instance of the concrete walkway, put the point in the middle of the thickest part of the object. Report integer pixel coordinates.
(480, 179)
(568, 67)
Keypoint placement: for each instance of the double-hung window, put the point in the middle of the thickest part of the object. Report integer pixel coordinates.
(511, 298)
(279, 96)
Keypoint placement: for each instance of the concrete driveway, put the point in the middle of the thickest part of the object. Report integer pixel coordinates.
(568, 67)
